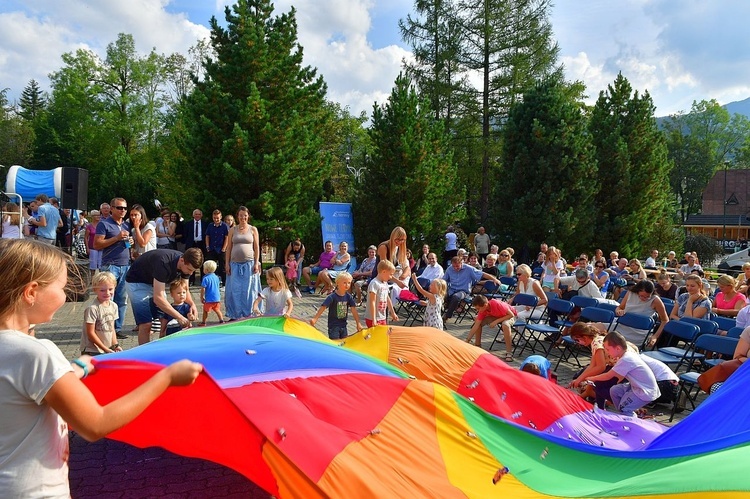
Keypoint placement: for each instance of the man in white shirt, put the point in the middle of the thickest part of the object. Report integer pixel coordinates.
(651, 260)
(433, 270)
(581, 282)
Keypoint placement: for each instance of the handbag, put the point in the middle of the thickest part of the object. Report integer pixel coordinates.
(79, 244)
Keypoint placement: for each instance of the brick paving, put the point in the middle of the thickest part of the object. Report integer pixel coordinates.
(107, 468)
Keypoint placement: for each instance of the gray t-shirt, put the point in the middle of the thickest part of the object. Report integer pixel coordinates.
(102, 317)
(34, 438)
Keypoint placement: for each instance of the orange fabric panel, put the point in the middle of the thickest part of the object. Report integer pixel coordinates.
(444, 361)
(290, 480)
(407, 441)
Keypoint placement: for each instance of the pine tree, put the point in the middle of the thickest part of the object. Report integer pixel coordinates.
(511, 45)
(32, 102)
(252, 132)
(411, 181)
(435, 36)
(550, 180)
(633, 170)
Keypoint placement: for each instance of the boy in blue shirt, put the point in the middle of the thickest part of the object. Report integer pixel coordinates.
(210, 294)
(339, 303)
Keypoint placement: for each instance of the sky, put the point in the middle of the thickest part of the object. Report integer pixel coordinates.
(679, 52)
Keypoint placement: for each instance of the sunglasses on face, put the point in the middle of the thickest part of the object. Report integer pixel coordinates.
(123, 208)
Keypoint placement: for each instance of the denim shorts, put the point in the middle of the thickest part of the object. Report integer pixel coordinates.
(141, 297)
(337, 332)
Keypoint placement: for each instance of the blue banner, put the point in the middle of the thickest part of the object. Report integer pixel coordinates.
(337, 224)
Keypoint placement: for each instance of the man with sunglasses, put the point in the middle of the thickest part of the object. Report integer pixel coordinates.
(114, 241)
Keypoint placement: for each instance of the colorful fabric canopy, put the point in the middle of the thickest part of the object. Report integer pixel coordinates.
(407, 412)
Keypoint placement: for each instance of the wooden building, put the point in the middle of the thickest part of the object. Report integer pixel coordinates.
(725, 210)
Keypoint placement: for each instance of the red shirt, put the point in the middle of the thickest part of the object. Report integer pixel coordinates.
(496, 308)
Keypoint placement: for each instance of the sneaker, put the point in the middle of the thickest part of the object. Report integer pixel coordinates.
(120, 336)
(297, 293)
(311, 291)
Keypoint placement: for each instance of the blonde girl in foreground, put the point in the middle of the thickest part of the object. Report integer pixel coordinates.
(40, 389)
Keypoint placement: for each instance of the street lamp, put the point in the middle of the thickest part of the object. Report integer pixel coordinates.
(724, 218)
(356, 171)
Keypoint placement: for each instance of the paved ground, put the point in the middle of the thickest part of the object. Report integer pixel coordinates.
(111, 469)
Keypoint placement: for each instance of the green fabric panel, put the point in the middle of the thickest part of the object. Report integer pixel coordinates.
(567, 472)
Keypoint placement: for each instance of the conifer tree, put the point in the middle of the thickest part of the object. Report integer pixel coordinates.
(252, 132)
(633, 170)
(412, 179)
(32, 101)
(550, 171)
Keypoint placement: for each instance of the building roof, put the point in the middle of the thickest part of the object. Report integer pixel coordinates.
(716, 221)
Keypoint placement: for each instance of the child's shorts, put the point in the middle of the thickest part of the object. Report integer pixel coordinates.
(213, 306)
(337, 332)
(369, 323)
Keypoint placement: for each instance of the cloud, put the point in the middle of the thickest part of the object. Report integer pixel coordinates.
(35, 39)
(334, 35)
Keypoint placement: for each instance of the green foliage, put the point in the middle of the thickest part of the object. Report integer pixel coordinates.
(633, 170)
(99, 106)
(707, 247)
(411, 180)
(253, 131)
(548, 189)
(16, 135)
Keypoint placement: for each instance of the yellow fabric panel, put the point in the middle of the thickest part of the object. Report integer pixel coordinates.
(470, 465)
(406, 442)
(373, 342)
(290, 480)
(302, 329)
(443, 361)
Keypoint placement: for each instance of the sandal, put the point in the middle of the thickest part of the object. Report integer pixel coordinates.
(508, 357)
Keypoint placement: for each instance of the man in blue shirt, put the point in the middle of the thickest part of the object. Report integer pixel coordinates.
(47, 220)
(460, 278)
(113, 240)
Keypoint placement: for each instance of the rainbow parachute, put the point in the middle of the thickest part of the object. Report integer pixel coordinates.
(413, 412)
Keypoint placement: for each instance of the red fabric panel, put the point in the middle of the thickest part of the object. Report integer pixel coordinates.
(324, 416)
(501, 390)
(194, 421)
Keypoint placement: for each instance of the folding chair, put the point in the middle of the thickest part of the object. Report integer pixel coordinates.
(491, 290)
(465, 310)
(607, 306)
(584, 301)
(571, 349)
(735, 332)
(689, 380)
(638, 322)
(414, 310)
(725, 323)
(521, 300)
(668, 305)
(675, 356)
(706, 326)
(581, 302)
(507, 287)
(561, 308)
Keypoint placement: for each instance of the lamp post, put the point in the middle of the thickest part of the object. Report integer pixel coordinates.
(356, 171)
(724, 218)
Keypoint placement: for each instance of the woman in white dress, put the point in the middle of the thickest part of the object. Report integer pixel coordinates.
(528, 286)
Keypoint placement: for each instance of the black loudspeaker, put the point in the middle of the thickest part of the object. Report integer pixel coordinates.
(75, 188)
